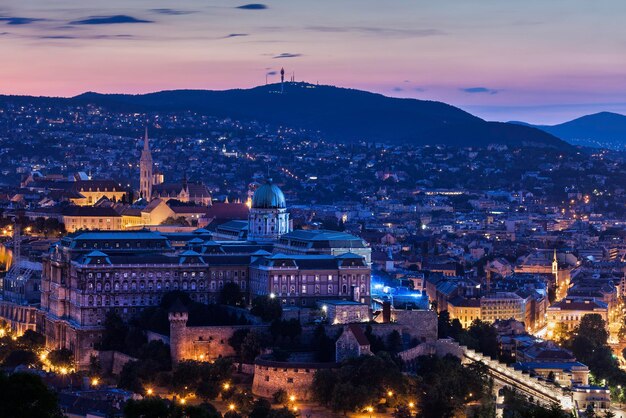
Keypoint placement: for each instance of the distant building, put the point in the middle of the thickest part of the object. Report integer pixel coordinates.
(570, 311)
(351, 343)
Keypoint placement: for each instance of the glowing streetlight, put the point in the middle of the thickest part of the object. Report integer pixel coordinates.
(390, 393)
(226, 386)
(231, 406)
(272, 295)
(411, 405)
(149, 391)
(95, 381)
(63, 370)
(369, 409)
(292, 398)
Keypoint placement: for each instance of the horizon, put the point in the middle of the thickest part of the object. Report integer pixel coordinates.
(540, 63)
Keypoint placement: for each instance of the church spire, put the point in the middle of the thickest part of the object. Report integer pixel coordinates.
(146, 142)
(146, 179)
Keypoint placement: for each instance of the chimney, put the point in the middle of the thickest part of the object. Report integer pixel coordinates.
(386, 312)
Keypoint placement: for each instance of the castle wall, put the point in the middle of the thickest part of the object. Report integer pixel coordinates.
(295, 378)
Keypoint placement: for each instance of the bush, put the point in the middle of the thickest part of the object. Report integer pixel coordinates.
(280, 397)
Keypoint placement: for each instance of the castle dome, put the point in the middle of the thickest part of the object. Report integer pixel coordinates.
(268, 196)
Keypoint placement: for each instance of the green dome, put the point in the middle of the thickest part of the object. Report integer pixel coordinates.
(268, 196)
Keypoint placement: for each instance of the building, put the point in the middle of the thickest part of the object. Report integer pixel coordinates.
(344, 311)
(351, 343)
(295, 378)
(569, 311)
(566, 374)
(304, 280)
(269, 219)
(502, 305)
(91, 217)
(465, 310)
(89, 192)
(598, 397)
(322, 241)
(87, 274)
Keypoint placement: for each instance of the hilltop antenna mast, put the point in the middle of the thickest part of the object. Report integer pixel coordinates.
(282, 80)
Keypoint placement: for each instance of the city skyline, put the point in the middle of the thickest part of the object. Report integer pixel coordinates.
(540, 63)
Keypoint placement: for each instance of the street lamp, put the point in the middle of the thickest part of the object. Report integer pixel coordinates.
(149, 391)
(292, 398)
(95, 381)
(272, 295)
(226, 386)
(369, 409)
(231, 406)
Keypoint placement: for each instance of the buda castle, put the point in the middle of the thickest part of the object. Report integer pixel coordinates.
(91, 272)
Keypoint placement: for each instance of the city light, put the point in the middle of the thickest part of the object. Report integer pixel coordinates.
(231, 406)
(149, 391)
(226, 386)
(95, 381)
(292, 398)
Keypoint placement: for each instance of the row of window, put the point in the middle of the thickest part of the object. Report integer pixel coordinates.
(317, 278)
(214, 274)
(280, 290)
(166, 285)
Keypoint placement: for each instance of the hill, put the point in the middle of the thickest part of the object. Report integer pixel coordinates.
(604, 129)
(339, 114)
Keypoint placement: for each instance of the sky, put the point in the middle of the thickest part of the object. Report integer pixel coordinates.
(535, 60)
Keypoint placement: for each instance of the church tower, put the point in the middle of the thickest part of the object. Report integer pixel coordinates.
(269, 218)
(145, 170)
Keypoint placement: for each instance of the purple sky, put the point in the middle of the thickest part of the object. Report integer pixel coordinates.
(538, 61)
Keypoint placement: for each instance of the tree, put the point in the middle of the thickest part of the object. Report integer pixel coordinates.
(25, 395)
(402, 411)
(266, 308)
(231, 294)
(149, 407)
(19, 357)
(251, 347)
(31, 340)
(280, 397)
(260, 409)
(283, 412)
(61, 358)
(324, 382)
(94, 366)
(114, 334)
(178, 221)
(322, 345)
(394, 341)
(590, 412)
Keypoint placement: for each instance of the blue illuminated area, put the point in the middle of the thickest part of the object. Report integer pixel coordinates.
(386, 289)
